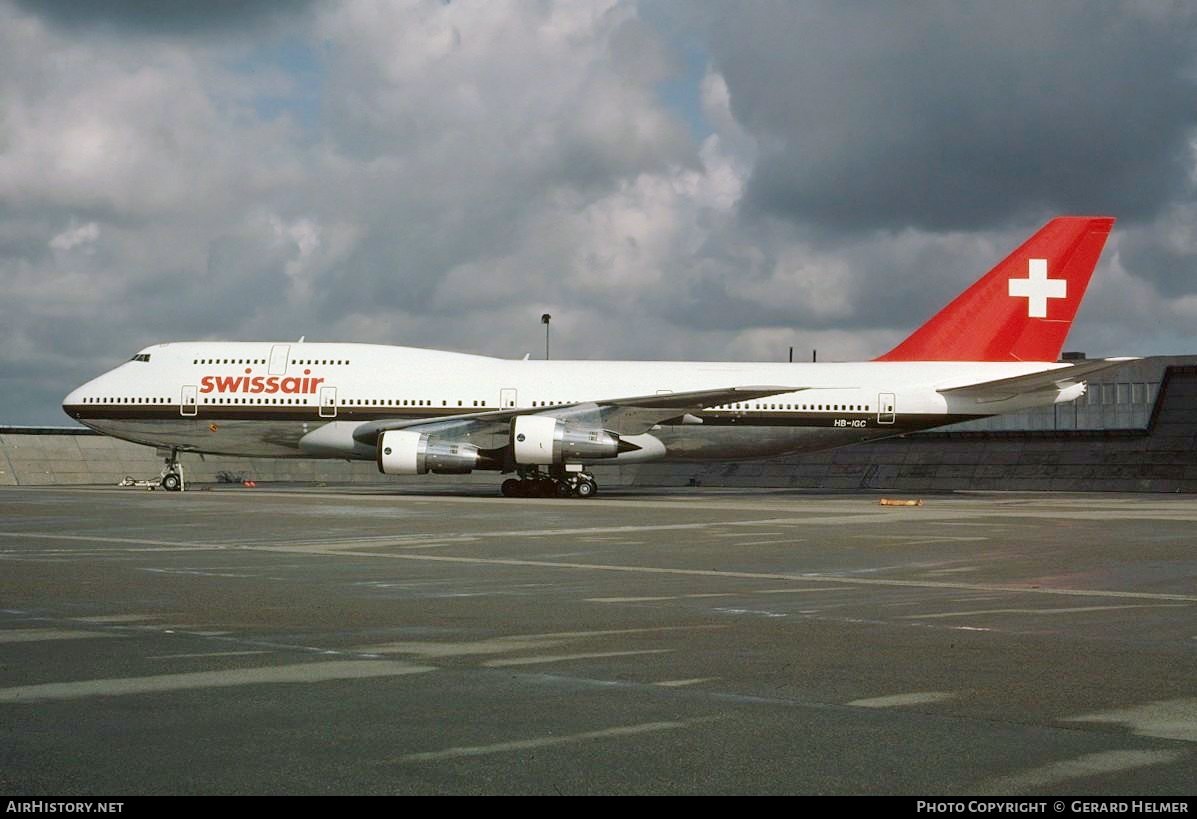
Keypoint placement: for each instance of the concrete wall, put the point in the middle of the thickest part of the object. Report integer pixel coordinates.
(1159, 456)
(41, 457)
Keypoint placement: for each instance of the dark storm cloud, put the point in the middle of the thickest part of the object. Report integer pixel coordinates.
(162, 16)
(1169, 267)
(959, 115)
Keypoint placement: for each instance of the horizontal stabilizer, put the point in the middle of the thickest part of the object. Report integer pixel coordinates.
(1044, 381)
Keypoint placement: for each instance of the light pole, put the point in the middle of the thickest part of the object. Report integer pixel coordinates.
(545, 321)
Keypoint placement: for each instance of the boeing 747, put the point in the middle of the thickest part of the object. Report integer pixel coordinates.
(992, 350)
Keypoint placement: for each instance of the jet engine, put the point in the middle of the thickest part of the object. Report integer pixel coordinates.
(405, 452)
(540, 440)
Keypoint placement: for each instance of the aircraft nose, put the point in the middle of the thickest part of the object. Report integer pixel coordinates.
(74, 400)
(71, 401)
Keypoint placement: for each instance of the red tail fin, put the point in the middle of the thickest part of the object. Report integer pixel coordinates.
(1022, 309)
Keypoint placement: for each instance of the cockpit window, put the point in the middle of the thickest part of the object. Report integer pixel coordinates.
(141, 357)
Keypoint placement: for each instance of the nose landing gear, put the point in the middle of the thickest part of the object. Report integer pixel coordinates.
(171, 478)
(172, 473)
(172, 481)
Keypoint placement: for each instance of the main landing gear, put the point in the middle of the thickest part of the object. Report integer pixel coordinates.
(533, 483)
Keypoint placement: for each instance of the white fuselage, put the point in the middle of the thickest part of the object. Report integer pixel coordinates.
(304, 399)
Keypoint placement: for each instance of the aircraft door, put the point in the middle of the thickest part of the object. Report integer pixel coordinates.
(328, 402)
(278, 359)
(507, 398)
(188, 400)
(885, 408)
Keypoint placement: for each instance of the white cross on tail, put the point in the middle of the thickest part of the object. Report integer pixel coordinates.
(1037, 288)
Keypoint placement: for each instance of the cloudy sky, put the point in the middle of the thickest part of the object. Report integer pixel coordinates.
(690, 180)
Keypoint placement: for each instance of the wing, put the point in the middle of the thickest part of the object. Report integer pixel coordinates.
(1046, 381)
(625, 416)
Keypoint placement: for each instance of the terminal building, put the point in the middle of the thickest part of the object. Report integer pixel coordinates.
(1135, 430)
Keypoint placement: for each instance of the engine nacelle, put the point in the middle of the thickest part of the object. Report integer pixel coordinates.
(540, 440)
(405, 452)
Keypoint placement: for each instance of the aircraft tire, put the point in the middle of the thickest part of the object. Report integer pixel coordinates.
(171, 482)
(586, 489)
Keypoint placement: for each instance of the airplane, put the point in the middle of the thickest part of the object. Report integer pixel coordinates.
(992, 350)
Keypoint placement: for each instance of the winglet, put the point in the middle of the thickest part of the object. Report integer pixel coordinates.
(1022, 309)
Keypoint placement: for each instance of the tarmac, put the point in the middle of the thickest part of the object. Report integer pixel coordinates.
(375, 640)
